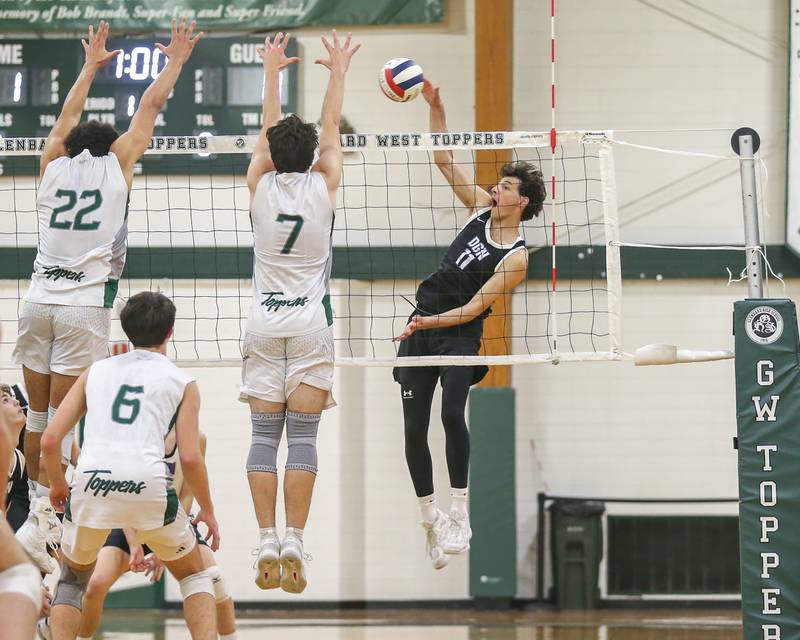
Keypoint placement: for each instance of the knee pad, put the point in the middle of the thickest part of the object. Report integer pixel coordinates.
(301, 435)
(267, 431)
(36, 422)
(220, 588)
(199, 582)
(71, 586)
(23, 579)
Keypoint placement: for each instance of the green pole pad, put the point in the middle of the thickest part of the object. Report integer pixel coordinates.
(493, 552)
(768, 424)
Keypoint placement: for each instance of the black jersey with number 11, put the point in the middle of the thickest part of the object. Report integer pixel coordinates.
(472, 258)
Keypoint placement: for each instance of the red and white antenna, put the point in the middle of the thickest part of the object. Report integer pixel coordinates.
(553, 136)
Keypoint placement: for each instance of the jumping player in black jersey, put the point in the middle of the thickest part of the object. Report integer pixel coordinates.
(485, 260)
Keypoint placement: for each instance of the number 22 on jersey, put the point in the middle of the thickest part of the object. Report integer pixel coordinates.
(77, 223)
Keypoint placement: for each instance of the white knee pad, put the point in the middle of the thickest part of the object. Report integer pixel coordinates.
(23, 579)
(36, 421)
(220, 588)
(199, 582)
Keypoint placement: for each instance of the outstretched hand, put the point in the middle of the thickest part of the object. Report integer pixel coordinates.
(273, 54)
(431, 94)
(416, 323)
(182, 43)
(339, 56)
(95, 49)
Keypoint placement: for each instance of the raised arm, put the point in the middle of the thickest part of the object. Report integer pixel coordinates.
(71, 111)
(330, 142)
(130, 146)
(473, 196)
(273, 56)
(192, 462)
(510, 273)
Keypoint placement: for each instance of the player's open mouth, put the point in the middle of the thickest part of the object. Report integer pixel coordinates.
(494, 202)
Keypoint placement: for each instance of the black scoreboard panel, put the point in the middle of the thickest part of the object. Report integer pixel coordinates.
(219, 91)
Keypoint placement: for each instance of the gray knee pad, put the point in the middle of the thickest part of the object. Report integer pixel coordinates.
(267, 431)
(71, 586)
(301, 434)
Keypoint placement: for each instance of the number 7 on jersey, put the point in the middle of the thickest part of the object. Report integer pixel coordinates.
(298, 224)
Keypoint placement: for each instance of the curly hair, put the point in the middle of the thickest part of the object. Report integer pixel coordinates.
(531, 185)
(94, 136)
(292, 143)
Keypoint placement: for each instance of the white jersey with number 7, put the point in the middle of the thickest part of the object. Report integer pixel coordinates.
(292, 222)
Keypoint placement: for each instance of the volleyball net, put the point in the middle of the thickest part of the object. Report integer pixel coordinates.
(190, 237)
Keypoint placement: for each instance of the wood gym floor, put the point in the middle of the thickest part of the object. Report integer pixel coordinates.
(451, 624)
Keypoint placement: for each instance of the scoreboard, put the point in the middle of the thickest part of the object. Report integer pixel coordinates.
(219, 91)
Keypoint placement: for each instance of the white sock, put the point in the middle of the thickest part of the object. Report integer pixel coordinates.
(51, 411)
(428, 509)
(267, 531)
(90, 637)
(230, 636)
(296, 532)
(458, 500)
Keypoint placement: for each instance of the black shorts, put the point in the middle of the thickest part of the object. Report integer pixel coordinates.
(460, 340)
(117, 539)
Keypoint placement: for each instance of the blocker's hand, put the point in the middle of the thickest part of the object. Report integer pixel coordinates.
(338, 56)
(273, 54)
(95, 49)
(181, 45)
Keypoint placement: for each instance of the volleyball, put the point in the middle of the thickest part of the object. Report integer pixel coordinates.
(401, 79)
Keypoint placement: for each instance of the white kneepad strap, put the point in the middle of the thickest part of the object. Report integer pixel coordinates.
(199, 582)
(220, 588)
(23, 579)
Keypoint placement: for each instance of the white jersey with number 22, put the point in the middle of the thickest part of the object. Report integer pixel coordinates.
(82, 203)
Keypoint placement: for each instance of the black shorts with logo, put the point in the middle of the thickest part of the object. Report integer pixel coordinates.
(460, 340)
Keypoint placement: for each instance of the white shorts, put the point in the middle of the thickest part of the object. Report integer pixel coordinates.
(274, 367)
(170, 542)
(61, 339)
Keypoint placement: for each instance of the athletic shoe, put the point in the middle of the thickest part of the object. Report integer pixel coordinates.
(435, 532)
(40, 532)
(268, 562)
(458, 535)
(43, 631)
(293, 564)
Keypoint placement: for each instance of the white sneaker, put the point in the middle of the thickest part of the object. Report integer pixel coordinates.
(268, 562)
(43, 631)
(435, 532)
(293, 564)
(458, 535)
(42, 530)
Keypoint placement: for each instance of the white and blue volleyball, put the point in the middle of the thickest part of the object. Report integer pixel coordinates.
(401, 79)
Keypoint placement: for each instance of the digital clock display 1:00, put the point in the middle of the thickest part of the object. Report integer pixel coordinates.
(138, 62)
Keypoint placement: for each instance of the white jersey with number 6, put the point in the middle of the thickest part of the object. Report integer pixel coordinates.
(292, 222)
(82, 203)
(122, 478)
